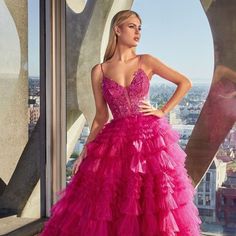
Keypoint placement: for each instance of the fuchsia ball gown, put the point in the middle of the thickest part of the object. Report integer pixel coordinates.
(133, 181)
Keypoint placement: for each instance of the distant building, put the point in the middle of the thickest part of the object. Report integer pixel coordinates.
(205, 198)
(82, 139)
(185, 132)
(226, 201)
(174, 116)
(33, 103)
(33, 114)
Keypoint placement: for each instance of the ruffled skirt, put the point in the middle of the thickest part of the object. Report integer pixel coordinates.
(133, 182)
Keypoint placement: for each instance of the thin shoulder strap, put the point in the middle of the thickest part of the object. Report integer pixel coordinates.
(139, 63)
(102, 69)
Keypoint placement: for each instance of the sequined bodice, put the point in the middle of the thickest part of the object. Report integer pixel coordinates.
(124, 101)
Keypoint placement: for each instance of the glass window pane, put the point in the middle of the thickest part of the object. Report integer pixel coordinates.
(20, 111)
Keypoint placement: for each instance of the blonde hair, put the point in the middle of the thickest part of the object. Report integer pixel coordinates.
(117, 19)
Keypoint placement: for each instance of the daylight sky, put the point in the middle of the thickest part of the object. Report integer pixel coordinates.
(177, 32)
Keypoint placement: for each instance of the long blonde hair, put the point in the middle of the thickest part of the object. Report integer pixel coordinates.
(117, 19)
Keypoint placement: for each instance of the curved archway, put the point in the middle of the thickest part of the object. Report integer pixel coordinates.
(76, 6)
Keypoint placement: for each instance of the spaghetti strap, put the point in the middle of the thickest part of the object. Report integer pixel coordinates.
(102, 70)
(139, 63)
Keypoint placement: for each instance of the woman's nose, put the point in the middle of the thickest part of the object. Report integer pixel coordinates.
(137, 30)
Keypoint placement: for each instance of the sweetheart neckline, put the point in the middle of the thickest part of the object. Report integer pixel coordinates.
(133, 79)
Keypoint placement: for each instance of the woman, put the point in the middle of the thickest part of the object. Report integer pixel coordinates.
(132, 180)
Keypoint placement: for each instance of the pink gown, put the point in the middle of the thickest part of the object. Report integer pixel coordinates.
(133, 181)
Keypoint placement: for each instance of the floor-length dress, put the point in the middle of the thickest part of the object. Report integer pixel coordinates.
(133, 181)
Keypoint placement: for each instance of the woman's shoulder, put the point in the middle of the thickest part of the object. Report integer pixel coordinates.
(96, 67)
(96, 71)
(148, 60)
(147, 56)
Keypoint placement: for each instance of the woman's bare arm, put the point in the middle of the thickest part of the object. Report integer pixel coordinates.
(101, 115)
(182, 82)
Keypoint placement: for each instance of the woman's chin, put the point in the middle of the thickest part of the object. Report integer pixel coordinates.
(134, 44)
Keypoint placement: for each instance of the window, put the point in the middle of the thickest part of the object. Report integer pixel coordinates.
(200, 199)
(207, 187)
(207, 200)
(22, 116)
(208, 176)
(200, 187)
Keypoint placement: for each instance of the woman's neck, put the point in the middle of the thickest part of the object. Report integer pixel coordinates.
(123, 54)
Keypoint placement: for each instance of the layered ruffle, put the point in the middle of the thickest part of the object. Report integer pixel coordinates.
(133, 182)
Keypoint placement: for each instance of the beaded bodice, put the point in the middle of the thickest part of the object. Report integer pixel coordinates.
(124, 101)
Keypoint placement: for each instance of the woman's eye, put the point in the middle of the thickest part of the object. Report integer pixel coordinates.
(132, 26)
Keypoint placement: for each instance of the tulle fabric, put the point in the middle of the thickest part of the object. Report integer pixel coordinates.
(133, 182)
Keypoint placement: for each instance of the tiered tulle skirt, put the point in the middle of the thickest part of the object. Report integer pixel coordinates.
(133, 182)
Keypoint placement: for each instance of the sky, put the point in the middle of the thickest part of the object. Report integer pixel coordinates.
(33, 37)
(176, 32)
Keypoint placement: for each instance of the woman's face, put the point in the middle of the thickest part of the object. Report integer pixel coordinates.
(129, 32)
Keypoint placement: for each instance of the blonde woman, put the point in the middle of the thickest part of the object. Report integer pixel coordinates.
(131, 180)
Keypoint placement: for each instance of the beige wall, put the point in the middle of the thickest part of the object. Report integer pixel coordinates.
(13, 85)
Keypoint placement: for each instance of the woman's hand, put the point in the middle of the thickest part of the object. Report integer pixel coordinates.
(78, 161)
(148, 109)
